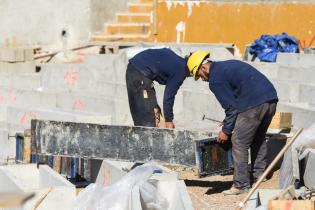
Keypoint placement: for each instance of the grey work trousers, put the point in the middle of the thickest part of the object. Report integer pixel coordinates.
(249, 133)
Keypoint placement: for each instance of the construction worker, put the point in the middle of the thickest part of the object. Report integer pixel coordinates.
(249, 100)
(165, 67)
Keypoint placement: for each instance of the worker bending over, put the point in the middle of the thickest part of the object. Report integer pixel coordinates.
(249, 100)
(163, 66)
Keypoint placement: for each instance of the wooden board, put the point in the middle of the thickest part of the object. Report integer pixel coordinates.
(14, 199)
(291, 205)
(281, 120)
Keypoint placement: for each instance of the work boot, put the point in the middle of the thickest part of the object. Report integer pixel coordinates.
(235, 191)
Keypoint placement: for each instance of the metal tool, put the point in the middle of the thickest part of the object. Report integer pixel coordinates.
(211, 119)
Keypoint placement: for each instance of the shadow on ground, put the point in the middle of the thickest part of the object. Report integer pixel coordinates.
(214, 186)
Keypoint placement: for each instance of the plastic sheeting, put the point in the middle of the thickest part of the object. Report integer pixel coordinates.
(267, 46)
(119, 196)
(300, 149)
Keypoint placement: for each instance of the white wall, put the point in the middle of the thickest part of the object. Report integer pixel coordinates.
(41, 21)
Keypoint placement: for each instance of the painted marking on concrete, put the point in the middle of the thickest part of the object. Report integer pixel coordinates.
(26, 118)
(11, 97)
(79, 105)
(71, 77)
(2, 99)
(107, 176)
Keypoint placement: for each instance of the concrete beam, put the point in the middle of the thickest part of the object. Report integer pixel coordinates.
(116, 142)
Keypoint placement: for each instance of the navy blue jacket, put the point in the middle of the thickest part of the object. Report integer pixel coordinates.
(238, 87)
(165, 67)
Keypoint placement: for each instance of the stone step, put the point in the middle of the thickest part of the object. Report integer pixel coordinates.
(18, 67)
(133, 17)
(120, 37)
(139, 7)
(127, 28)
(146, 1)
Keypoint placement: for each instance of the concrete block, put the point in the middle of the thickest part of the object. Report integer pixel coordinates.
(270, 70)
(21, 81)
(28, 54)
(306, 93)
(116, 142)
(216, 53)
(19, 97)
(82, 77)
(122, 114)
(11, 54)
(287, 91)
(296, 59)
(22, 116)
(298, 74)
(309, 173)
(7, 147)
(42, 181)
(85, 103)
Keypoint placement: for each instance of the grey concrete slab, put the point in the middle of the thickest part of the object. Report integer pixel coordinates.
(22, 116)
(27, 81)
(7, 145)
(298, 73)
(19, 97)
(115, 142)
(29, 178)
(270, 70)
(309, 173)
(216, 53)
(296, 59)
(307, 93)
(89, 76)
(19, 67)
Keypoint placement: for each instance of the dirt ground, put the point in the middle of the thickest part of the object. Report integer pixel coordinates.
(205, 193)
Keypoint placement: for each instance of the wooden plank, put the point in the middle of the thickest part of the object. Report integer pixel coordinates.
(117, 142)
(291, 205)
(281, 120)
(57, 163)
(27, 146)
(14, 199)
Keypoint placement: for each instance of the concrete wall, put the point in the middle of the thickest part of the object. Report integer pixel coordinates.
(41, 22)
(234, 22)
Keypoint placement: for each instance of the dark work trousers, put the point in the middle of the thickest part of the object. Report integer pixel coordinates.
(249, 133)
(142, 98)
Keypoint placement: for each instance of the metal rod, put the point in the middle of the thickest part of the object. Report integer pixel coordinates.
(269, 168)
(211, 119)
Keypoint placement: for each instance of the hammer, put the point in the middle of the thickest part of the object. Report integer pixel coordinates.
(211, 119)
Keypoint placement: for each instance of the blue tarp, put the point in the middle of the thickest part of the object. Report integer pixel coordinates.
(267, 46)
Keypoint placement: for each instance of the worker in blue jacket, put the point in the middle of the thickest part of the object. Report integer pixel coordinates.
(249, 100)
(160, 65)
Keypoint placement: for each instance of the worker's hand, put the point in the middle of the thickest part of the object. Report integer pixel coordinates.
(157, 113)
(169, 125)
(222, 137)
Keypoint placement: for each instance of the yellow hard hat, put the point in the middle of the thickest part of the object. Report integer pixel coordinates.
(195, 60)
